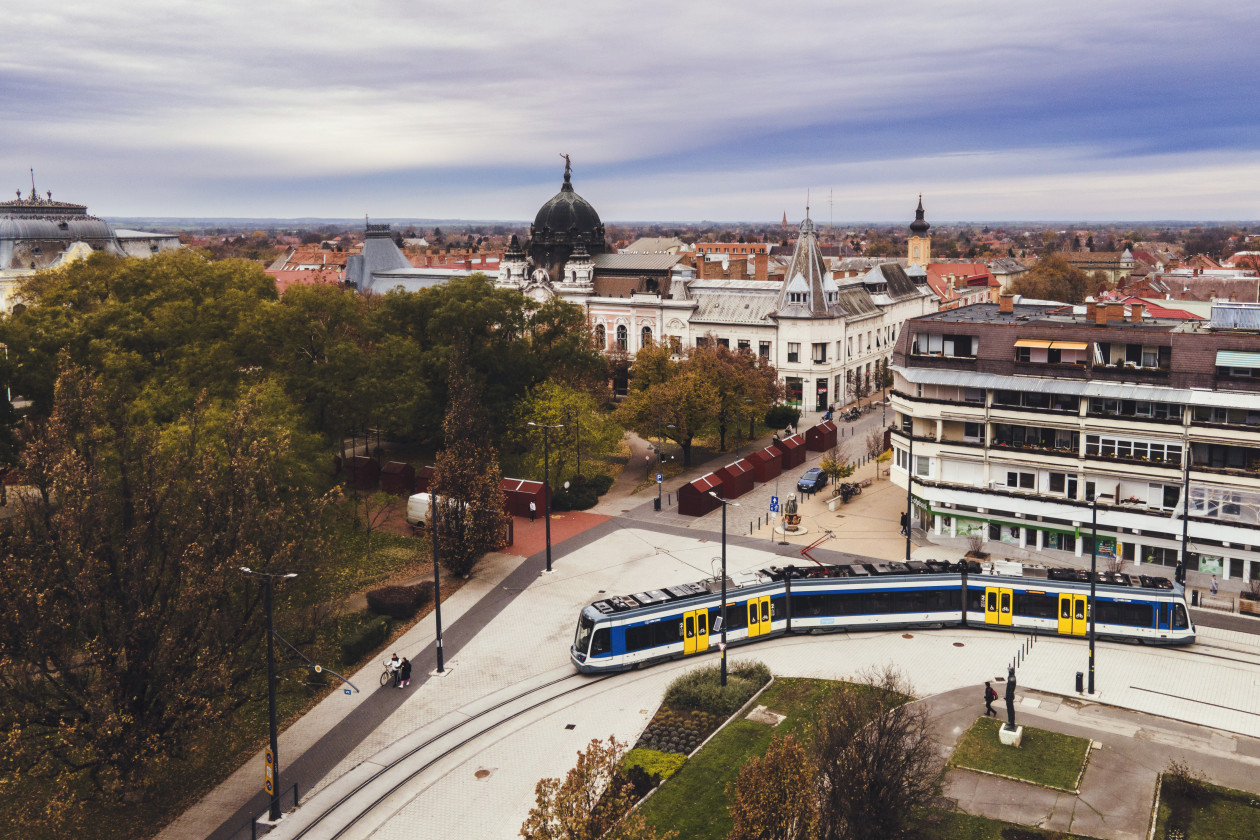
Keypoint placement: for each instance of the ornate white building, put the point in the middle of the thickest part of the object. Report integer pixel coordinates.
(818, 331)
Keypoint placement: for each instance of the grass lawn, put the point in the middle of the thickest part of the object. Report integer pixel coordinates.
(1203, 810)
(694, 800)
(1044, 758)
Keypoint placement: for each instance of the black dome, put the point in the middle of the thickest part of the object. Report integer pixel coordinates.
(564, 222)
(919, 226)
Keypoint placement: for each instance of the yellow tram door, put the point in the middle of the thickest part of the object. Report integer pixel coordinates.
(758, 616)
(998, 605)
(702, 631)
(1072, 618)
(689, 633)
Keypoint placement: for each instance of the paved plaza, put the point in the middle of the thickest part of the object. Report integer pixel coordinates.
(458, 755)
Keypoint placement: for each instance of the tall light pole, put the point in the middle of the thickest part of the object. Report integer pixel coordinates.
(1093, 574)
(547, 482)
(722, 614)
(660, 444)
(271, 783)
(909, 482)
(437, 585)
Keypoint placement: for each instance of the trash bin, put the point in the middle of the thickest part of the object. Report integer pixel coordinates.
(1194, 597)
(1080, 682)
(656, 504)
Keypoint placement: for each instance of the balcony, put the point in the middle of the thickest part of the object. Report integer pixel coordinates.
(938, 362)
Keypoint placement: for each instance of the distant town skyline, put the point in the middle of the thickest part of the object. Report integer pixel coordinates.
(993, 111)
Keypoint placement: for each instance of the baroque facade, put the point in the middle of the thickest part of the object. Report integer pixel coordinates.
(820, 331)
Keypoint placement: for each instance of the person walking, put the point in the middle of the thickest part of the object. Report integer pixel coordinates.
(404, 673)
(393, 665)
(1215, 588)
(989, 696)
(533, 509)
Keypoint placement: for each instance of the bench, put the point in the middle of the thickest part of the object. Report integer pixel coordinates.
(1216, 602)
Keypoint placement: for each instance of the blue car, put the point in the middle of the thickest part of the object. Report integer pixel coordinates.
(812, 481)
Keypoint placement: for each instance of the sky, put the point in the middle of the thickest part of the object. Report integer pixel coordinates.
(739, 111)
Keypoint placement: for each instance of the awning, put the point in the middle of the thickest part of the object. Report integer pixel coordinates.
(1033, 342)
(1070, 345)
(1237, 358)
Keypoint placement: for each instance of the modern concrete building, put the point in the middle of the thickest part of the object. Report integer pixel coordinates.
(1023, 415)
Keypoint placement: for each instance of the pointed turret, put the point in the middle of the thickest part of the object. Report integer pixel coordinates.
(919, 226)
(919, 246)
(808, 289)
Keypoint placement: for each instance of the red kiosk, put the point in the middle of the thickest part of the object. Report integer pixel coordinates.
(424, 477)
(398, 477)
(694, 498)
(364, 472)
(766, 464)
(519, 493)
(793, 451)
(737, 479)
(822, 437)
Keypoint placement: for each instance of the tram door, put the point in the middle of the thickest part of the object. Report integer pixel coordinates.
(1163, 611)
(1072, 618)
(758, 616)
(997, 605)
(695, 632)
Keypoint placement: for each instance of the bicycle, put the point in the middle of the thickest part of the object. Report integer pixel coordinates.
(389, 674)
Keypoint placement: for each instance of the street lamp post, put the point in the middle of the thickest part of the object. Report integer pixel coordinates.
(547, 483)
(273, 811)
(660, 444)
(722, 615)
(437, 586)
(1093, 574)
(909, 481)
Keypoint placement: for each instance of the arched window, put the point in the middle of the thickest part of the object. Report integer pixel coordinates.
(623, 337)
(645, 337)
(601, 338)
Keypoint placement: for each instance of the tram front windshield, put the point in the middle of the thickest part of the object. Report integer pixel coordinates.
(583, 638)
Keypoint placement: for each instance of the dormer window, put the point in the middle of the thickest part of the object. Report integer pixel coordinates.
(796, 297)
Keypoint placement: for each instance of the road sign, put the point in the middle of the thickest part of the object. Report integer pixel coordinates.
(269, 774)
(346, 690)
(774, 507)
(659, 478)
(774, 501)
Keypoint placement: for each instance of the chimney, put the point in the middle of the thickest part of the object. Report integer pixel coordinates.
(1115, 312)
(760, 262)
(1135, 312)
(1100, 314)
(1006, 303)
(1091, 310)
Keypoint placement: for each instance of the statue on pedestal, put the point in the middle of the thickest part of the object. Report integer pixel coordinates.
(1010, 697)
(791, 519)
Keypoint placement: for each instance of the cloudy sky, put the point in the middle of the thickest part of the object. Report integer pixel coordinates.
(670, 110)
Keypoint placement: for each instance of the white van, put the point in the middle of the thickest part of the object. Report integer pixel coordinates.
(418, 509)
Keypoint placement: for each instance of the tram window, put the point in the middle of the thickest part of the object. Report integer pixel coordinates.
(1035, 606)
(1179, 621)
(690, 623)
(702, 624)
(1066, 604)
(1130, 615)
(765, 610)
(975, 600)
(752, 612)
(992, 605)
(776, 608)
(1080, 609)
(638, 638)
(737, 616)
(599, 644)
(585, 626)
(1006, 603)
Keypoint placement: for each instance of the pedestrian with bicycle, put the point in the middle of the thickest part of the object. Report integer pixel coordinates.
(393, 665)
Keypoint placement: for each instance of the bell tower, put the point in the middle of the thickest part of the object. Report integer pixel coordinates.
(920, 244)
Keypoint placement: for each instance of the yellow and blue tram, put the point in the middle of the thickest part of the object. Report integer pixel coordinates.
(627, 631)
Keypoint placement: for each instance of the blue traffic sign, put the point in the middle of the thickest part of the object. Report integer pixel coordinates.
(774, 506)
(774, 501)
(659, 478)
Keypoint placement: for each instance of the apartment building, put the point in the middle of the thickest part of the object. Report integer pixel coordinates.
(1019, 419)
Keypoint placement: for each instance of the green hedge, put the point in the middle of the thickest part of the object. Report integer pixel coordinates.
(366, 640)
(648, 768)
(781, 416)
(701, 690)
(400, 602)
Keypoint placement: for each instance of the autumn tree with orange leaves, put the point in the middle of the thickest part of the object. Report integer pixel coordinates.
(774, 796)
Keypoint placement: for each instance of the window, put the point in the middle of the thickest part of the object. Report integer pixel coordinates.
(675, 344)
(849, 354)
(973, 395)
(1023, 354)
(623, 337)
(820, 353)
(903, 458)
(922, 465)
(1160, 556)
(1022, 480)
(744, 345)
(1058, 482)
(645, 337)
(724, 342)
(793, 352)
(796, 297)
(763, 350)
(971, 431)
(601, 337)
(600, 643)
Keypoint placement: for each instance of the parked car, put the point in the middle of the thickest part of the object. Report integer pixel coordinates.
(812, 481)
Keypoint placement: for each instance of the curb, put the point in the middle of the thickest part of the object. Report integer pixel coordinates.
(1075, 790)
(1159, 788)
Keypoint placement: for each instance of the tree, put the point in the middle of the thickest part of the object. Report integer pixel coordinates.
(588, 434)
(467, 496)
(874, 443)
(1053, 278)
(837, 467)
(744, 386)
(125, 623)
(876, 757)
(774, 797)
(590, 803)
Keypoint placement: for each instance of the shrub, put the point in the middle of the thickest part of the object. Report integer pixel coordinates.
(701, 690)
(601, 482)
(365, 641)
(577, 497)
(781, 416)
(648, 768)
(401, 602)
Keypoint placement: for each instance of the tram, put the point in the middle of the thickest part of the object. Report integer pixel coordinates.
(628, 631)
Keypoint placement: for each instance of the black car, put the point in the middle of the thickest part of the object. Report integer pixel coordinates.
(812, 481)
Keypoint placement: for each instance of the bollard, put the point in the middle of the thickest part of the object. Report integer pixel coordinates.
(1080, 682)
